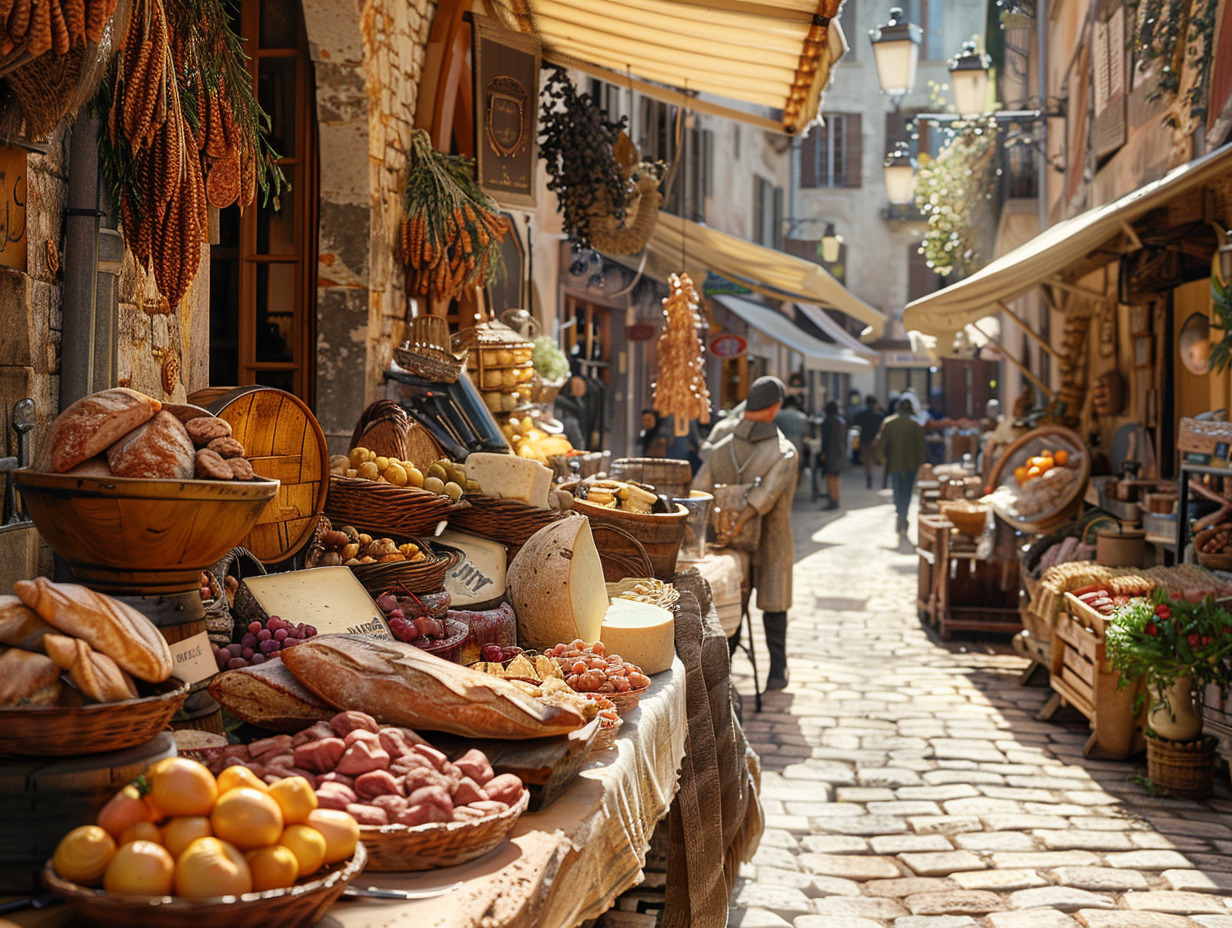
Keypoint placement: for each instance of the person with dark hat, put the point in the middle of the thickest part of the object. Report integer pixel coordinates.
(754, 453)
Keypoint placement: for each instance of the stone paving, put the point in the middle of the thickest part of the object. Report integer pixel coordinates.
(906, 782)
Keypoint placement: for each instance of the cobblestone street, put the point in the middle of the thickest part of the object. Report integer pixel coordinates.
(906, 782)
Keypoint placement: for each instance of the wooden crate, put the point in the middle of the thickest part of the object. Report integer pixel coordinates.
(1083, 678)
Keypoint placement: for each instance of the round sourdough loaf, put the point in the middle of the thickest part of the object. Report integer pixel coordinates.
(158, 449)
(91, 425)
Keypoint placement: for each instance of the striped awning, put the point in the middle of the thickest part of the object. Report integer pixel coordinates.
(773, 53)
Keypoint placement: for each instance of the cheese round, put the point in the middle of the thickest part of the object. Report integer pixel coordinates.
(640, 633)
(556, 586)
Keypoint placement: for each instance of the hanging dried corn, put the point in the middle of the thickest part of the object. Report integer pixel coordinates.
(450, 238)
(184, 132)
(681, 390)
(31, 28)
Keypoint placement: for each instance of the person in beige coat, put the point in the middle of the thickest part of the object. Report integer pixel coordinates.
(755, 451)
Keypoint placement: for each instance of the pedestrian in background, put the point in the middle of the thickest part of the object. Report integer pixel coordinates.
(650, 441)
(902, 439)
(868, 420)
(833, 451)
(793, 423)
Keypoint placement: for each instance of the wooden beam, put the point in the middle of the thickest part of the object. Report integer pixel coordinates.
(1031, 333)
(1026, 371)
(1070, 288)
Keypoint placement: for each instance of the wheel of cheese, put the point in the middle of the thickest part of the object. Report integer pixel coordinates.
(641, 633)
(556, 586)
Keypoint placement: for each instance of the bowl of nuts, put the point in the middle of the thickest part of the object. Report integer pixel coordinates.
(1213, 547)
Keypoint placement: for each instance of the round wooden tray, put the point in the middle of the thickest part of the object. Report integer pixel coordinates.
(293, 907)
(282, 439)
(60, 731)
(384, 508)
(1049, 437)
(442, 844)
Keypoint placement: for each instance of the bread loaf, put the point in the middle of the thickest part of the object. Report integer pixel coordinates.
(92, 425)
(20, 626)
(158, 449)
(105, 624)
(94, 467)
(95, 675)
(268, 696)
(399, 684)
(27, 677)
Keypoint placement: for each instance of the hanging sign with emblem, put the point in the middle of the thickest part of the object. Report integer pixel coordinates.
(506, 82)
(728, 345)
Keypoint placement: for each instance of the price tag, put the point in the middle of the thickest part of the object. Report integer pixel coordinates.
(194, 658)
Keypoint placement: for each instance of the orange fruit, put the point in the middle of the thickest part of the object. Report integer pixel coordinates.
(179, 786)
(127, 807)
(142, 868)
(140, 831)
(273, 867)
(1033, 472)
(1020, 474)
(308, 846)
(209, 867)
(1061, 457)
(83, 854)
(236, 776)
(247, 817)
(340, 831)
(295, 797)
(183, 830)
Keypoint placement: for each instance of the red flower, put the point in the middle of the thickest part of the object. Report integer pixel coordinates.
(1150, 628)
(1163, 611)
(1206, 640)
(1194, 639)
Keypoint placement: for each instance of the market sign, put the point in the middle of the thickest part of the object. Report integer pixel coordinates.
(639, 332)
(728, 345)
(506, 93)
(716, 283)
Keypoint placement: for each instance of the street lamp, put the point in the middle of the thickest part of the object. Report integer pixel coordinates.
(899, 170)
(896, 50)
(969, 80)
(831, 245)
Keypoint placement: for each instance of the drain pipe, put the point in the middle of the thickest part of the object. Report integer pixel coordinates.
(79, 331)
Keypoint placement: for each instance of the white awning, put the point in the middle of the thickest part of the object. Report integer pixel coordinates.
(824, 321)
(818, 355)
(1104, 228)
(680, 244)
(776, 54)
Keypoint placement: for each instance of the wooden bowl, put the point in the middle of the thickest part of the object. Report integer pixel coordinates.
(293, 907)
(968, 517)
(122, 535)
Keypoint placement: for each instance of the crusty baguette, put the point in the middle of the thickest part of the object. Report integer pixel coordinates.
(268, 696)
(400, 684)
(91, 425)
(105, 624)
(20, 626)
(95, 675)
(24, 674)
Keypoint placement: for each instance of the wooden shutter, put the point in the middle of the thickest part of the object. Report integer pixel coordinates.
(776, 231)
(853, 151)
(921, 279)
(809, 146)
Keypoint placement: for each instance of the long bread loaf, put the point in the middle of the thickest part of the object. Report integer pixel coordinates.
(20, 626)
(267, 695)
(400, 684)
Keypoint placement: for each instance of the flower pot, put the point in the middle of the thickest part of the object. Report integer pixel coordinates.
(1184, 769)
(1173, 716)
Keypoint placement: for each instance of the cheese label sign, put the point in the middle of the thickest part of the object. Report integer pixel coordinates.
(194, 658)
(480, 576)
(375, 627)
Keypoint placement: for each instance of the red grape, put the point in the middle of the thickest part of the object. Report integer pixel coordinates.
(247, 653)
(258, 659)
(264, 635)
(268, 646)
(254, 627)
(236, 663)
(281, 635)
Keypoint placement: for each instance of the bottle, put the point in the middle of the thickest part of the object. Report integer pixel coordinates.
(596, 345)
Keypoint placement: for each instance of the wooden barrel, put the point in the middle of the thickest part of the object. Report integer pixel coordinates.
(201, 712)
(660, 534)
(41, 800)
(181, 620)
(283, 440)
(668, 476)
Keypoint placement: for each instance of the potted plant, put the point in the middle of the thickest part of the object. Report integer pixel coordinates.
(1176, 647)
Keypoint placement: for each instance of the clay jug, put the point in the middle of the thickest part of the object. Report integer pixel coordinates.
(1173, 715)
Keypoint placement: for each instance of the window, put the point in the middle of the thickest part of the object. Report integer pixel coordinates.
(657, 141)
(767, 213)
(929, 15)
(830, 155)
(919, 136)
(263, 269)
(921, 280)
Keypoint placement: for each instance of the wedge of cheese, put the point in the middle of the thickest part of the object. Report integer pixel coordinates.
(640, 633)
(510, 477)
(330, 598)
(556, 585)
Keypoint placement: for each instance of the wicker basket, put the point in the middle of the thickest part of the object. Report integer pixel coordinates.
(60, 731)
(626, 702)
(293, 907)
(621, 553)
(218, 619)
(505, 520)
(660, 534)
(442, 844)
(606, 739)
(385, 508)
(1185, 770)
(426, 575)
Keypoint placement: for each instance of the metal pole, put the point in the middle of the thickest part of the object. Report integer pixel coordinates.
(78, 330)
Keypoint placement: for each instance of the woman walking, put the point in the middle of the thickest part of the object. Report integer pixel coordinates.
(833, 451)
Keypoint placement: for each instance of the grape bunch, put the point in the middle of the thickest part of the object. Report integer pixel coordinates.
(592, 670)
(416, 629)
(262, 642)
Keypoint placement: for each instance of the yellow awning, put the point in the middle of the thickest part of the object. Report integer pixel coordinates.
(679, 244)
(1039, 261)
(772, 54)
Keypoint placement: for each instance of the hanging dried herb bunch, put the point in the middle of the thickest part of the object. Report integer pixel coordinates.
(35, 27)
(576, 140)
(680, 390)
(183, 131)
(452, 231)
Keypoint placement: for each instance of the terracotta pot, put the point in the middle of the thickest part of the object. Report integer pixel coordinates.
(1172, 714)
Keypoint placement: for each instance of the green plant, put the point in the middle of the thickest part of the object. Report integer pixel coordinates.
(549, 361)
(1160, 29)
(1221, 308)
(1161, 640)
(952, 191)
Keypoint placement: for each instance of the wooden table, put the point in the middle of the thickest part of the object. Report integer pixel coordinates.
(959, 591)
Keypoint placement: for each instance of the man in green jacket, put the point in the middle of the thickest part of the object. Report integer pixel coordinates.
(902, 440)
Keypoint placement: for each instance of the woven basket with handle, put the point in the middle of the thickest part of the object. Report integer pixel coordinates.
(621, 553)
(505, 520)
(241, 563)
(385, 508)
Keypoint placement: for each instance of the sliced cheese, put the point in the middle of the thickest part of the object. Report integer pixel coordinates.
(640, 633)
(480, 576)
(329, 598)
(510, 477)
(556, 585)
